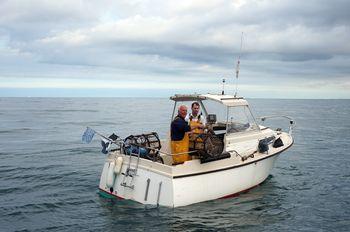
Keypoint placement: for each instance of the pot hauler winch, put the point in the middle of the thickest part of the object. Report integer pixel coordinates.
(209, 146)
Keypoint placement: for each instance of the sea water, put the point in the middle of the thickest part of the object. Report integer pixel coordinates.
(49, 178)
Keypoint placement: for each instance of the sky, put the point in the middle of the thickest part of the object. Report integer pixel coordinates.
(156, 48)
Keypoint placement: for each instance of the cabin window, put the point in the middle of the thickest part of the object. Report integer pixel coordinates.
(240, 119)
(218, 109)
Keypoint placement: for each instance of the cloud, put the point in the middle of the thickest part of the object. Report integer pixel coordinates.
(175, 41)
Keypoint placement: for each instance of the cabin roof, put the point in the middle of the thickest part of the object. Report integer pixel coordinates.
(227, 100)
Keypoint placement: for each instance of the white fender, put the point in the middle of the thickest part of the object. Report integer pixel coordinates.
(118, 165)
(110, 175)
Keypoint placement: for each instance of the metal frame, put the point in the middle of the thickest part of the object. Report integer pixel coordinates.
(291, 121)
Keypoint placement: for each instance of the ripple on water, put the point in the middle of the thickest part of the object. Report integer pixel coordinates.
(49, 179)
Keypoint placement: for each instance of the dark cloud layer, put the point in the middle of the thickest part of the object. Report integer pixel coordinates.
(175, 39)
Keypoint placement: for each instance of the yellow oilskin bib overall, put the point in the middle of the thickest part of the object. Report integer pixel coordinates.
(196, 124)
(180, 147)
(196, 132)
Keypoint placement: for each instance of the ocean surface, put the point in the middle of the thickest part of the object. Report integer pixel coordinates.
(49, 178)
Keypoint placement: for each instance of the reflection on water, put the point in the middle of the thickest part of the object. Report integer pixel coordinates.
(262, 205)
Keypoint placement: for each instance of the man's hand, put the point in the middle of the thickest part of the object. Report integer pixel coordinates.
(201, 126)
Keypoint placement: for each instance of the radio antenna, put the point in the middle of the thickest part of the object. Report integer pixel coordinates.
(238, 63)
(223, 87)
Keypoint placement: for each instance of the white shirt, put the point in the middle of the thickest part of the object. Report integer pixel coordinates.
(199, 117)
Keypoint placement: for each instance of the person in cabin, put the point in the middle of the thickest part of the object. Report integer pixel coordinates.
(195, 118)
(179, 133)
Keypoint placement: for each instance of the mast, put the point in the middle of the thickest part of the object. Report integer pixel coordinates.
(223, 87)
(238, 63)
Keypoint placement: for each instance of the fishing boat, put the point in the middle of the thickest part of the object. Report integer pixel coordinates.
(232, 155)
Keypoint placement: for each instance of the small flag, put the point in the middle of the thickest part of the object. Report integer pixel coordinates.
(88, 135)
(106, 144)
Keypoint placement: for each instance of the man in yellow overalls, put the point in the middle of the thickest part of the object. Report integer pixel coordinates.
(195, 120)
(180, 136)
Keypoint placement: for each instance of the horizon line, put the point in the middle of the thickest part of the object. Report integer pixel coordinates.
(258, 98)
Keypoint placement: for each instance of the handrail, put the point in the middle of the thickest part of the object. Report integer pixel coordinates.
(245, 157)
(162, 152)
(291, 120)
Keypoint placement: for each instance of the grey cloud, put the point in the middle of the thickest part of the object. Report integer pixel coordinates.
(24, 21)
(283, 39)
(224, 19)
(311, 13)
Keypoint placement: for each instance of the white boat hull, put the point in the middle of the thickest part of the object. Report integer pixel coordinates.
(221, 184)
(154, 186)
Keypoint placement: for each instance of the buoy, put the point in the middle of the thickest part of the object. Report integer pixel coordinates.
(110, 175)
(118, 165)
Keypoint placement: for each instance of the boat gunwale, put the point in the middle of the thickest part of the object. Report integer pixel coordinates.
(209, 171)
(235, 166)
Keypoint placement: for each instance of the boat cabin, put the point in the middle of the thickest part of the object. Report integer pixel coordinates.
(226, 117)
(231, 114)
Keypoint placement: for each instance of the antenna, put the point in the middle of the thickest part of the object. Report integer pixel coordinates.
(238, 63)
(223, 87)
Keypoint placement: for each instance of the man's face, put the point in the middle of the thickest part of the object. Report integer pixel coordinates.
(195, 110)
(183, 111)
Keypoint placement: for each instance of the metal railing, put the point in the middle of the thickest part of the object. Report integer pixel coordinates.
(291, 121)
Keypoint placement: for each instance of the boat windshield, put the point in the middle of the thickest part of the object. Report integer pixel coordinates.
(234, 119)
(216, 108)
(240, 119)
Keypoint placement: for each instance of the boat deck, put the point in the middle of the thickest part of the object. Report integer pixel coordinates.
(195, 167)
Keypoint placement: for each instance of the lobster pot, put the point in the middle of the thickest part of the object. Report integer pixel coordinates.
(153, 142)
(150, 140)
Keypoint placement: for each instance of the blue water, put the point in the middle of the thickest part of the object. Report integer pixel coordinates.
(49, 179)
